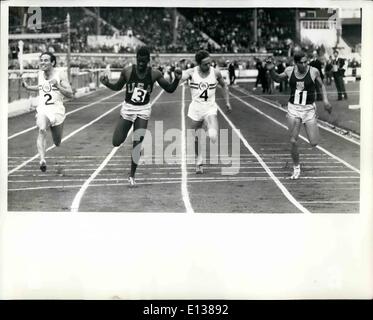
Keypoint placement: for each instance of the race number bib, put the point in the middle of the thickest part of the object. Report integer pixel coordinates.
(300, 97)
(48, 99)
(138, 95)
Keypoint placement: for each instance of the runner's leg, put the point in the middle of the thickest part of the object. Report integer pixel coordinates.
(57, 134)
(121, 131)
(312, 131)
(197, 127)
(42, 123)
(212, 127)
(140, 126)
(294, 125)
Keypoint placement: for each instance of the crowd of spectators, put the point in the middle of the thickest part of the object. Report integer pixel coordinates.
(226, 30)
(233, 29)
(230, 28)
(152, 26)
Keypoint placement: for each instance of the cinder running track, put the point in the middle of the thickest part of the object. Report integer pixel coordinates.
(87, 174)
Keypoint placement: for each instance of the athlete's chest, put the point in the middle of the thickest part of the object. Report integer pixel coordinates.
(301, 83)
(136, 83)
(45, 85)
(198, 77)
(141, 85)
(202, 83)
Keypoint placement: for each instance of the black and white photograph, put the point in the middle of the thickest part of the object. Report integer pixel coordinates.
(186, 134)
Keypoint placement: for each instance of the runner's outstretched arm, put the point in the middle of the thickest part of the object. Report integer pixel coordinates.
(168, 87)
(327, 105)
(114, 86)
(29, 88)
(64, 85)
(274, 75)
(221, 81)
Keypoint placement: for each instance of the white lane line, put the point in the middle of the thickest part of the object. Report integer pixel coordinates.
(302, 137)
(243, 155)
(114, 173)
(172, 166)
(339, 159)
(286, 193)
(76, 202)
(331, 202)
(68, 113)
(178, 160)
(156, 181)
(66, 138)
(184, 173)
(155, 173)
(283, 110)
(144, 169)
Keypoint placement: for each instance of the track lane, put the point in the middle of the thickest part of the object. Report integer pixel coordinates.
(327, 186)
(260, 130)
(344, 149)
(153, 193)
(25, 123)
(25, 145)
(59, 199)
(250, 193)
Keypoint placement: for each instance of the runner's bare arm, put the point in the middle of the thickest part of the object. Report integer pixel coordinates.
(168, 87)
(327, 105)
(187, 74)
(115, 86)
(29, 88)
(221, 81)
(278, 77)
(64, 85)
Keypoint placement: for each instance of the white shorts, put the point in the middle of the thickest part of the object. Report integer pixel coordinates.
(199, 111)
(305, 113)
(131, 112)
(55, 114)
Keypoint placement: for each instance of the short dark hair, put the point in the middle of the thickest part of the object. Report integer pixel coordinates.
(52, 57)
(143, 51)
(336, 51)
(298, 56)
(200, 55)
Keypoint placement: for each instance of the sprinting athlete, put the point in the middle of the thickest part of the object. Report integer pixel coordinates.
(203, 80)
(136, 109)
(53, 86)
(303, 80)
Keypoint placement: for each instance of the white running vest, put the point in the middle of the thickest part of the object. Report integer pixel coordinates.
(203, 89)
(48, 95)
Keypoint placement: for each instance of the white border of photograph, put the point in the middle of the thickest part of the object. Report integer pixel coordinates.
(169, 256)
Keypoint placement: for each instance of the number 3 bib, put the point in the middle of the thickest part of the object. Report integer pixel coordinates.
(138, 95)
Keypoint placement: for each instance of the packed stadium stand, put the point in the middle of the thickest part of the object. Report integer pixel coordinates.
(176, 30)
(165, 30)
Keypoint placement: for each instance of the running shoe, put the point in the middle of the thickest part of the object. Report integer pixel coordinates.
(199, 169)
(43, 166)
(131, 181)
(296, 173)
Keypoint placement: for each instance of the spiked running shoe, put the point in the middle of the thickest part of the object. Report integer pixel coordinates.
(43, 166)
(296, 173)
(131, 181)
(199, 169)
